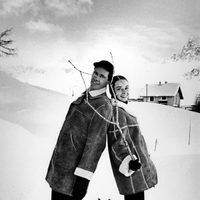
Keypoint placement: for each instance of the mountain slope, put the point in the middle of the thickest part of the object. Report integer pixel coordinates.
(34, 108)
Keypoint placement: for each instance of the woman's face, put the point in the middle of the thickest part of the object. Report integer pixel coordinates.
(121, 90)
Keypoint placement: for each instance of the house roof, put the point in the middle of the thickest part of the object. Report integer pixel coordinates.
(165, 89)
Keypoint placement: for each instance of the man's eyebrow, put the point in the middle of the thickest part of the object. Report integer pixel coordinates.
(102, 75)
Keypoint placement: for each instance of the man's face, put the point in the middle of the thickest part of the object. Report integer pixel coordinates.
(121, 90)
(99, 78)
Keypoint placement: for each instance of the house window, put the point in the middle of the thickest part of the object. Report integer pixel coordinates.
(163, 98)
(151, 98)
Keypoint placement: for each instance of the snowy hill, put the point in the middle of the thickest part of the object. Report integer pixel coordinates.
(34, 108)
(30, 120)
(166, 126)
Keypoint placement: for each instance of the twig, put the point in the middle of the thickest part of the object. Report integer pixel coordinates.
(114, 123)
(4, 44)
(78, 69)
(112, 58)
(81, 73)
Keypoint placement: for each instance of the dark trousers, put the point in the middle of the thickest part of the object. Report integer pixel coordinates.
(137, 196)
(59, 196)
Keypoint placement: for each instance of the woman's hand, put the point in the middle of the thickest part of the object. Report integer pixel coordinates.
(134, 165)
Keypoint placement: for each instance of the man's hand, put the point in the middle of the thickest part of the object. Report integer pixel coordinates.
(80, 187)
(134, 165)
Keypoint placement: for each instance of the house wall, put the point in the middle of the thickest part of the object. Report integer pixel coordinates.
(168, 101)
(177, 100)
(171, 101)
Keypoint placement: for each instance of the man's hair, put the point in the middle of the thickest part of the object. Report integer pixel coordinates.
(114, 80)
(107, 66)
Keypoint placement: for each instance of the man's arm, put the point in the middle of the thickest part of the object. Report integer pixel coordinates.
(96, 141)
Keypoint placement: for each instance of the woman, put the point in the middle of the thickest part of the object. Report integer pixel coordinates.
(133, 169)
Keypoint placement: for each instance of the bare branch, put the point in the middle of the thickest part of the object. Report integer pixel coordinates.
(81, 73)
(4, 52)
(99, 113)
(126, 143)
(189, 52)
(77, 68)
(112, 58)
(195, 72)
(4, 49)
(5, 33)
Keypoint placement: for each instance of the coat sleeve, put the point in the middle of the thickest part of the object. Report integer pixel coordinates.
(118, 147)
(96, 141)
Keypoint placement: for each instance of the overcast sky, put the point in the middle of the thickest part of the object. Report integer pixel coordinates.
(139, 34)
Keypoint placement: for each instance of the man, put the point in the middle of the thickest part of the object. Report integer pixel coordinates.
(82, 138)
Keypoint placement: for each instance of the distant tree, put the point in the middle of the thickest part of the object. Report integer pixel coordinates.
(190, 52)
(196, 106)
(5, 43)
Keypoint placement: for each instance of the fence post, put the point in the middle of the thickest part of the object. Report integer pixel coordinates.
(155, 146)
(189, 136)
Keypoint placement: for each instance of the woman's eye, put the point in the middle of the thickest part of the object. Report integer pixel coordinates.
(126, 88)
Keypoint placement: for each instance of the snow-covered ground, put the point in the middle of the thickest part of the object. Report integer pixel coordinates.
(30, 120)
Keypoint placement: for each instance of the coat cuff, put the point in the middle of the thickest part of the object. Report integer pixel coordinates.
(83, 173)
(124, 167)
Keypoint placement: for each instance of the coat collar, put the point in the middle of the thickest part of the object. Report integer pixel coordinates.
(94, 94)
(128, 107)
(116, 102)
(120, 104)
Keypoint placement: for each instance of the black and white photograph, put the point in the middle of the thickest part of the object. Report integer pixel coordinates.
(99, 99)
